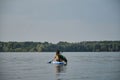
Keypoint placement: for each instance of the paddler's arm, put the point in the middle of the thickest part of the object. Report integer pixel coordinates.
(54, 58)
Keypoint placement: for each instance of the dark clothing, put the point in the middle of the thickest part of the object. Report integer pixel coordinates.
(62, 58)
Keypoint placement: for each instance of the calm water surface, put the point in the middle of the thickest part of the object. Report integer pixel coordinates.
(81, 66)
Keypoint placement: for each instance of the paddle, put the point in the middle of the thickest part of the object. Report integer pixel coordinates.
(50, 61)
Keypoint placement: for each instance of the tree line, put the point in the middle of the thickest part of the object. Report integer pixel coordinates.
(85, 46)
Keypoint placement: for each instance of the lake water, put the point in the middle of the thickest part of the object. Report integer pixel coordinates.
(81, 66)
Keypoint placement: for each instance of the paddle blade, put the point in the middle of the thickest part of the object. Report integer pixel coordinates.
(49, 61)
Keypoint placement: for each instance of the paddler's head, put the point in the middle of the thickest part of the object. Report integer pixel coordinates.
(57, 52)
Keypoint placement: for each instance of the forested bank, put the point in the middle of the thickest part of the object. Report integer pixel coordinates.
(85, 46)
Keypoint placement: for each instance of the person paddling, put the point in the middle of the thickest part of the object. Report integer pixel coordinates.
(59, 57)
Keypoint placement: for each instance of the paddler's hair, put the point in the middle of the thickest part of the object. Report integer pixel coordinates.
(58, 51)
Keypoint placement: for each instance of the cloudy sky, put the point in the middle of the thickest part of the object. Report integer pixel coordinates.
(59, 20)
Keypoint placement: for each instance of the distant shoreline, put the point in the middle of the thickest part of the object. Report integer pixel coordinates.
(85, 46)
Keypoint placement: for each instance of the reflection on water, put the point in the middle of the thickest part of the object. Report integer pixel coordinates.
(60, 71)
(60, 68)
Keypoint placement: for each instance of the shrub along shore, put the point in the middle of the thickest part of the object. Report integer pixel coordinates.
(85, 46)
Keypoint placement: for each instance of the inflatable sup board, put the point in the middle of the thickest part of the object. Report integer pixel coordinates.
(57, 62)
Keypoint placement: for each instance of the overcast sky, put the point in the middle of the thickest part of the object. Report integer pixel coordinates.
(59, 20)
